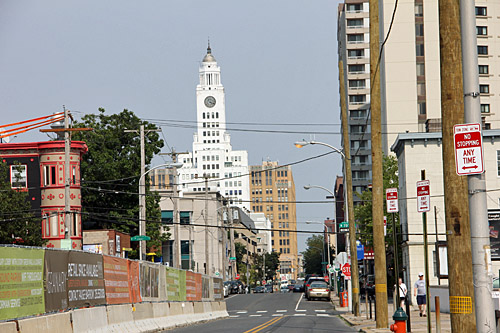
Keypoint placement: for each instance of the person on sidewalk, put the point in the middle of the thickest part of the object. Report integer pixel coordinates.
(402, 293)
(420, 294)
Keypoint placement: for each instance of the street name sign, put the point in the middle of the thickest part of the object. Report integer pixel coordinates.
(391, 197)
(423, 196)
(468, 149)
(344, 226)
(140, 238)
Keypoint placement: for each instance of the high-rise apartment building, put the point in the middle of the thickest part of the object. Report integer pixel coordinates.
(212, 154)
(354, 50)
(409, 72)
(273, 193)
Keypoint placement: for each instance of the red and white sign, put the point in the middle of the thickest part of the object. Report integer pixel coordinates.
(326, 278)
(423, 196)
(346, 270)
(237, 277)
(391, 197)
(468, 149)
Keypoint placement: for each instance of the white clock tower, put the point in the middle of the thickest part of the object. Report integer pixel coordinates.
(212, 151)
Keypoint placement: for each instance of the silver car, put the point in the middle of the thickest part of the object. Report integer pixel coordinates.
(318, 289)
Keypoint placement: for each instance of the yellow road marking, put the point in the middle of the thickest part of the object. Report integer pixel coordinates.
(265, 325)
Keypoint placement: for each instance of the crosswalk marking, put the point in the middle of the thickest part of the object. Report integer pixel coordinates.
(281, 310)
(300, 310)
(255, 315)
(242, 312)
(299, 314)
(320, 310)
(277, 315)
(262, 311)
(322, 315)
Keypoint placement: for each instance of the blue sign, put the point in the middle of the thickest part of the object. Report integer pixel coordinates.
(360, 249)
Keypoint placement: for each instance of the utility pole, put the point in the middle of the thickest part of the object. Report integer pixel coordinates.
(142, 189)
(458, 237)
(377, 173)
(231, 241)
(67, 179)
(177, 240)
(349, 194)
(478, 210)
(69, 230)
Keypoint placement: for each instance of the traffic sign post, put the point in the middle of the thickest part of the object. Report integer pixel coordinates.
(237, 277)
(391, 197)
(468, 141)
(423, 196)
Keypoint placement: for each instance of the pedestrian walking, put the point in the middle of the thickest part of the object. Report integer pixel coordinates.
(419, 292)
(402, 293)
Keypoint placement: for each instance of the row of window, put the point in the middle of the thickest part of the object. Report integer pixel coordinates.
(53, 224)
(167, 217)
(207, 133)
(207, 166)
(51, 176)
(235, 192)
(211, 141)
(208, 115)
(231, 183)
(215, 125)
(284, 242)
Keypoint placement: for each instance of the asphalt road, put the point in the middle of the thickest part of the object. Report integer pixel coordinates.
(275, 312)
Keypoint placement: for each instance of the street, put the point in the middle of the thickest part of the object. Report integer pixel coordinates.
(277, 312)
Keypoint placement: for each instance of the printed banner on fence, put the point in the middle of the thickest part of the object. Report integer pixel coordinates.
(56, 287)
(21, 282)
(218, 289)
(85, 279)
(149, 281)
(133, 281)
(116, 280)
(193, 286)
(175, 284)
(205, 287)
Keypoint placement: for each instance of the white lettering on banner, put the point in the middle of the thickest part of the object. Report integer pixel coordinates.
(83, 270)
(85, 294)
(56, 282)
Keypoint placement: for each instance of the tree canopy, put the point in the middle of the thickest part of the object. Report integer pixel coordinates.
(315, 254)
(111, 171)
(363, 212)
(18, 223)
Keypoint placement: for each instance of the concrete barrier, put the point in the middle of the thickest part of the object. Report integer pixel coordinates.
(90, 320)
(177, 316)
(144, 317)
(8, 327)
(120, 318)
(161, 315)
(55, 323)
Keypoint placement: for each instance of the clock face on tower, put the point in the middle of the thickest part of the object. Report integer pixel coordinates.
(210, 102)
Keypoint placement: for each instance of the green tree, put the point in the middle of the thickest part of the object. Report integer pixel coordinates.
(363, 212)
(315, 254)
(18, 224)
(111, 171)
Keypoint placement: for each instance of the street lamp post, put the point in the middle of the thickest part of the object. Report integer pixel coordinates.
(142, 204)
(352, 230)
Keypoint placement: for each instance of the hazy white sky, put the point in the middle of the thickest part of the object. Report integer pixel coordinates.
(278, 60)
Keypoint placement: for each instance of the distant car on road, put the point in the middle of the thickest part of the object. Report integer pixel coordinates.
(311, 280)
(269, 288)
(298, 287)
(259, 290)
(227, 288)
(318, 289)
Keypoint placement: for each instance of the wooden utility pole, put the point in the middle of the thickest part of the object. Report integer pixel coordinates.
(377, 173)
(348, 188)
(69, 229)
(176, 218)
(456, 199)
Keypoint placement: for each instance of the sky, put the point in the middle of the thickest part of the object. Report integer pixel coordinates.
(278, 64)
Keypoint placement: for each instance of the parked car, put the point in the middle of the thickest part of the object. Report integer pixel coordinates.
(227, 288)
(259, 290)
(269, 288)
(369, 286)
(318, 289)
(298, 287)
(237, 287)
(310, 280)
(284, 288)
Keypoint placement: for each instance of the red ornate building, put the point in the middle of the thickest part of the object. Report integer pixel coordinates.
(39, 168)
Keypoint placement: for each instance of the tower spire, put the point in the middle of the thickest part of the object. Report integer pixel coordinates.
(209, 50)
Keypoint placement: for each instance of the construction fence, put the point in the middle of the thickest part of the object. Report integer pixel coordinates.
(34, 281)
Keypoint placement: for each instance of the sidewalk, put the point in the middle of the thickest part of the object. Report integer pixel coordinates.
(418, 324)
